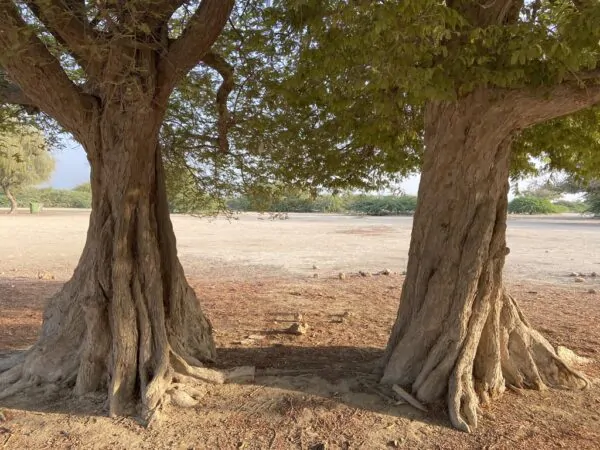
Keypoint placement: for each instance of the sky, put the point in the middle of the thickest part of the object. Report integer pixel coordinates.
(72, 169)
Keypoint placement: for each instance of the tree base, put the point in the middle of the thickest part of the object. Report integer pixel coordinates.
(499, 349)
(159, 357)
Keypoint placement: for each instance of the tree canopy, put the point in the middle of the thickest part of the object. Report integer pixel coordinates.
(323, 94)
(331, 94)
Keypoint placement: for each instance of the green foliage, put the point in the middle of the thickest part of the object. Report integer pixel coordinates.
(593, 202)
(299, 202)
(579, 207)
(84, 187)
(592, 198)
(330, 94)
(383, 206)
(24, 158)
(533, 205)
(51, 198)
(569, 145)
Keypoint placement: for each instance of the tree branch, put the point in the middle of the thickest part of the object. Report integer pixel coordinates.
(162, 11)
(13, 95)
(585, 76)
(29, 63)
(67, 27)
(484, 13)
(198, 37)
(224, 121)
(534, 106)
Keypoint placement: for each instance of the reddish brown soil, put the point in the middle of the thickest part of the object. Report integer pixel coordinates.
(312, 389)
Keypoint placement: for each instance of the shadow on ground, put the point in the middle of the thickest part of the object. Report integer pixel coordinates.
(336, 375)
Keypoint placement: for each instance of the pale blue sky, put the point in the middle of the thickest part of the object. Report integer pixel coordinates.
(72, 169)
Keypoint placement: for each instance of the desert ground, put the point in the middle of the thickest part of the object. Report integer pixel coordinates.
(253, 277)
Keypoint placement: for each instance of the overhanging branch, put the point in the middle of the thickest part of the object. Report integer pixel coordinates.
(484, 13)
(224, 121)
(71, 30)
(187, 51)
(29, 63)
(162, 11)
(534, 106)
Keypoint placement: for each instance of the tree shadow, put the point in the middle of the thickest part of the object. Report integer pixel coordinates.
(336, 375)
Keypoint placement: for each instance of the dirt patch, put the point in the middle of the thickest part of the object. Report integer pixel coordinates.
(368, 231)
(316, 388)
(542, 249)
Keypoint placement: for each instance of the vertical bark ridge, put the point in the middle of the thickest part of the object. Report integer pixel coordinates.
(458, 334)
(128, 311)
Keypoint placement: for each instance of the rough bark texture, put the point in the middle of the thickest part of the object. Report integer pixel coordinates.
(11, 198)
(458, 333)
(127, 319)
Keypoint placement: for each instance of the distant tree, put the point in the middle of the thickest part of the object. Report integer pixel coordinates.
(592, 198)
(24, 161)
(83, 187)
(590, 188)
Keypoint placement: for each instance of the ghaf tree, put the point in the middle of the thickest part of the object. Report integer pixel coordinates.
(127, 320)
(459, 82)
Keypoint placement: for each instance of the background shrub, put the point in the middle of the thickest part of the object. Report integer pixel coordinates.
(533, 205)
(50, 198)
(383, 206)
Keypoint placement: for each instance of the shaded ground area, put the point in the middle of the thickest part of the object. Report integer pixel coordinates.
(254, 278)
(317, 388)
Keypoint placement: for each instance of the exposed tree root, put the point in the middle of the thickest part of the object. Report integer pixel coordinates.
(499, 349)
(127, 322)
(181, 386)
(526, 359)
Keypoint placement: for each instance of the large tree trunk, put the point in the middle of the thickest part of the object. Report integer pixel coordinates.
(11, 198)
(458, 332)
(127, 321)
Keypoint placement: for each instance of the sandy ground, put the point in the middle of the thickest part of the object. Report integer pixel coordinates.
(315, 391)
(542, 249)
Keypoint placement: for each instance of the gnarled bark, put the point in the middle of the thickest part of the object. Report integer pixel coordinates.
(127, 321)
(458, 333)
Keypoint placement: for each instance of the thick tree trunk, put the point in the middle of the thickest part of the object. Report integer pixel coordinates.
(127, 321)
(458, 332)
(11, 198)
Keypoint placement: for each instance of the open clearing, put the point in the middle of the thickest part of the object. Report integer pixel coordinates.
(253, 277)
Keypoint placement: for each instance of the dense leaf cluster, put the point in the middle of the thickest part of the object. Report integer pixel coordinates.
(331, 94)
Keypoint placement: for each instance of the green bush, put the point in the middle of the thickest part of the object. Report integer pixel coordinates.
(574, 207)
(292, 204)
(361, 204)
(383, 206)
(532, 205)
(84, 187)
(241, 203)
(330, 204)
(51, 198)
(593, 203)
